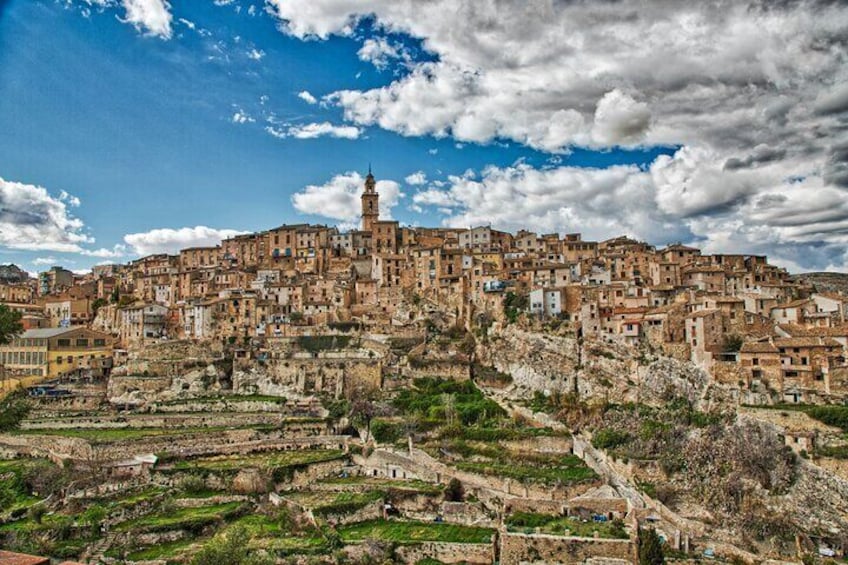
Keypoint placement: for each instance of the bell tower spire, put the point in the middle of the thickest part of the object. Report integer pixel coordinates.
(370, 202)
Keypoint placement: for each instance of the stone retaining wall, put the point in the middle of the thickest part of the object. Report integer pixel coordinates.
(533, 548)
(474, 553)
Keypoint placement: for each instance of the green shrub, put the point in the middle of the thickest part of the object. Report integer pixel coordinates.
(13, 409)
(609, 438)
(318, 343)
(386, 432)
(836, 416)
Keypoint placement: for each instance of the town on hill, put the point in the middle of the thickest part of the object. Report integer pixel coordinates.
(423, 395)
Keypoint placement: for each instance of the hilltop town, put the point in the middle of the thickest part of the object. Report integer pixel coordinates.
(422, 395)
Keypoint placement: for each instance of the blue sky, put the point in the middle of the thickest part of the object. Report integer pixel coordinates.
(147, 128)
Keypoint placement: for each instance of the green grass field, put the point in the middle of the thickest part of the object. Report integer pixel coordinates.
(412, 532)
(274, 460)
(126, 434)
(183, 518)
(527, 522)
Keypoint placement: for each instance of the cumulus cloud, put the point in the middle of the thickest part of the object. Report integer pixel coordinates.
(119, 250)
(593, 73)
(313, 130)
(31, 218)
(169, 240)
(256, 54)
(379, 52)
(339, 198)
(307, 97)
(416, 179)
(752, 93)
(42, 261)
(620, 120)
(801, 224)
(242, 117)
(151, 16)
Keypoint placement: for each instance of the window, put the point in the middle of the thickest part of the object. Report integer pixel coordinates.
(64, 343)
(82, 342)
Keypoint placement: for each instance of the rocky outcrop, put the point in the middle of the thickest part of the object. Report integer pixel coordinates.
(596, 370)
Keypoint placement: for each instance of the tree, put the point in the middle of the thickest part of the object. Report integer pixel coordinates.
(10, 324)
(13, 409)
(733, 343)
(650, 548)
(514, 305)
(36, 513)
(362, 411)
(454, 492)
(232, 549)
(97, 305)
(93, 518)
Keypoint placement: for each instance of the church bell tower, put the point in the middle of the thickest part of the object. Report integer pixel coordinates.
(370, 203)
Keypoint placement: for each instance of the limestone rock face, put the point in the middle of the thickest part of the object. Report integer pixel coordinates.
(597, 370)
(250, 481)
(550, 363)
(667, 378)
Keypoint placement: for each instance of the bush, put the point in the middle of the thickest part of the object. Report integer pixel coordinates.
(514, 305)
(454, 491)
(232, 549)
(386, 432)
(13, 409)
(836, 416)
(609, 438)
(318, 343)
(732, 343)
(650, 548)
(193, 484)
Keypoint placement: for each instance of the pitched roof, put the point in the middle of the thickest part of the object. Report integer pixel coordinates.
(806, 342)
(12, 558)
(46, 333)
(758, 347)
(795, 330)
(793, 304)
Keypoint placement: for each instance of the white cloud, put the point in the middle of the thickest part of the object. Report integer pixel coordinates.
(339, 198)
(116, 252)
(314, 130)
(241, 117)
(41, 261)
(307, 97)
(256, 54)
(278, 133)
(30, 218)
(590, 73)
(754, 93)
(311, 131)
(152, 16)
(168, 240)
(416, 179)
(69, 199)
(378, 51)
(620, 120)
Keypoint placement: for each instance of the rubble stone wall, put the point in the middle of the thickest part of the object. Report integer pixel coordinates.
(533, 548)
